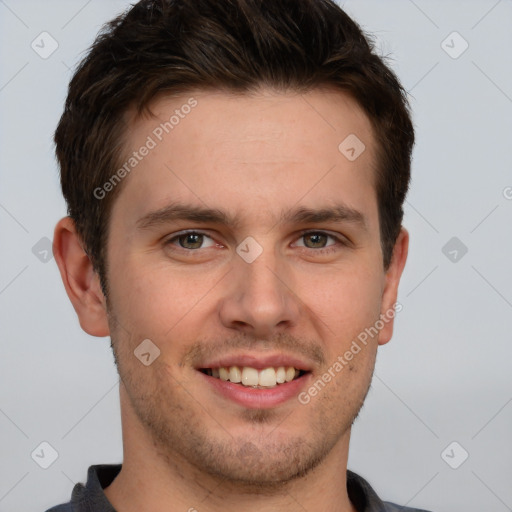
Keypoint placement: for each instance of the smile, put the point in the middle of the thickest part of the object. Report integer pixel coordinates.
(252, 377)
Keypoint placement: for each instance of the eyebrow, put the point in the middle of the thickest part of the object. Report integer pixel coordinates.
(336, 213)
(301, 215)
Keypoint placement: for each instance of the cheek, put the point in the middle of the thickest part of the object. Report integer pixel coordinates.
(346, 301)
(348, 305)
(155, 302)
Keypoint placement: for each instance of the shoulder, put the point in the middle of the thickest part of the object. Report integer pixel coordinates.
(66, 507)
(90, 497)
(365, 499)
(393, 507)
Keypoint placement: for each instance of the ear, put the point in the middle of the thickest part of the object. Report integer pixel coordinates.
(392, 279)
(80, 280)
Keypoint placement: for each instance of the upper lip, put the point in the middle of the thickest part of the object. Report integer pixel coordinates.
(256, 361)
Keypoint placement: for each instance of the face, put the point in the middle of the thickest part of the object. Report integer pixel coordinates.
(246, 238)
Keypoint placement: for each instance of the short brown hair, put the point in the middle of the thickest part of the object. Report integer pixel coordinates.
(173, 46)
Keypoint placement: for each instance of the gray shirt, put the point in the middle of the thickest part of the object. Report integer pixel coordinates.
(91, 498)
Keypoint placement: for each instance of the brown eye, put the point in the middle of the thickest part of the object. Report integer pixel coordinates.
(321, 242)
(318, 240)
(191, 240)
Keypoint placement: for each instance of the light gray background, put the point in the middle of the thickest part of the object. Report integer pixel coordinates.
(446, 375)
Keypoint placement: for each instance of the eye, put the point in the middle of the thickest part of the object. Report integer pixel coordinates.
(191, 240)
(317, 240)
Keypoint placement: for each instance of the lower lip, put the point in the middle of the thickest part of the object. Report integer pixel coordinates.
(257, 398)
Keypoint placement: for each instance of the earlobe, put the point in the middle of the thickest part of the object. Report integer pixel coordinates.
(81, 282)
(392, 280)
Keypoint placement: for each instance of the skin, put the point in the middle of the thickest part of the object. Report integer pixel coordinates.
(186, 446)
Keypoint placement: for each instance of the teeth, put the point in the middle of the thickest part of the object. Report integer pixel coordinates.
(247, 376)
(235, 374)
(281, 375)
(267, 377)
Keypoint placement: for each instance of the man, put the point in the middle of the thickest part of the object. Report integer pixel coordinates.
(235, 173)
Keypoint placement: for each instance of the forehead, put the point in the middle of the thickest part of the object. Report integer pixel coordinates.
(258, 153)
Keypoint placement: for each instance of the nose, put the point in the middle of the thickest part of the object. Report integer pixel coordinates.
(260, 299)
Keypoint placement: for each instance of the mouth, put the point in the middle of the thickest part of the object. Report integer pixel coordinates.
(256, 380)
(250, 377)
